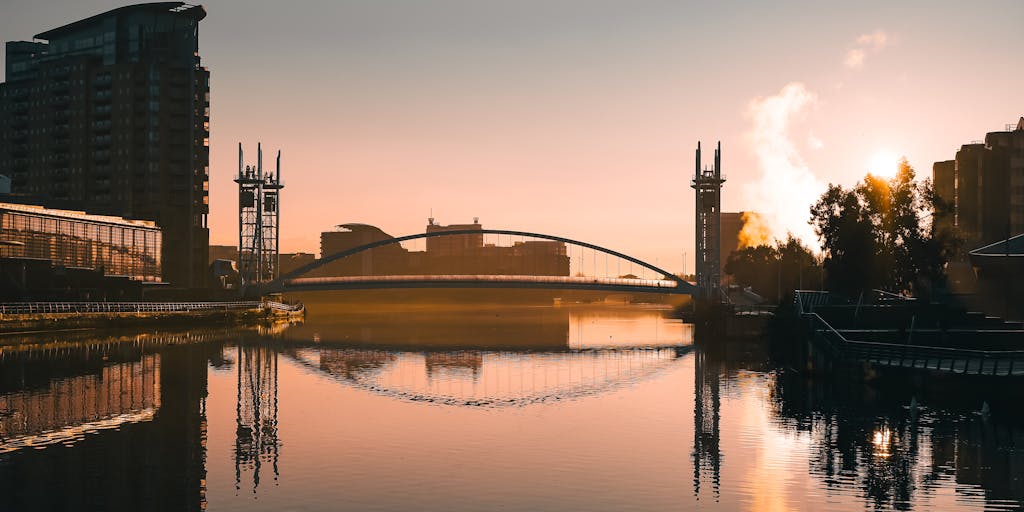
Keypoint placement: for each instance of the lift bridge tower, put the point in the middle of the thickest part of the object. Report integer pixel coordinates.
(707, 184)
(259, 215)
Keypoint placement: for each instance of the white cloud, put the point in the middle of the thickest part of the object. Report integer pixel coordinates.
(855, 58)
(786, 188)
(873, 41)
(876, 40)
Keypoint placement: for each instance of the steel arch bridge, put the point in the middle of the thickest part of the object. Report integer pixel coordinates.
(668, 284)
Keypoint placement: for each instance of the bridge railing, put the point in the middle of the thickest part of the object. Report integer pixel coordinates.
(653, 283)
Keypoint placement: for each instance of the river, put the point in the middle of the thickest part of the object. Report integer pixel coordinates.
(481, 407)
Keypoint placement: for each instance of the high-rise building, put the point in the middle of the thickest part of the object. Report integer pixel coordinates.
(1008, 155)
(944, 181)
(110, 115)
(988, 181)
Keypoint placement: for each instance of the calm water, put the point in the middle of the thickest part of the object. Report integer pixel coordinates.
(459, 408)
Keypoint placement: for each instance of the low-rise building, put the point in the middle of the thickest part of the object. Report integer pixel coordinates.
(113, 246)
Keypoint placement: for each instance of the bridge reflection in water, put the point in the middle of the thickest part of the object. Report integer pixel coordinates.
(488, 379)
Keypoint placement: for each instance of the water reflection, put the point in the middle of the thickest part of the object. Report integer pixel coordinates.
(393, 417)
(707, 455)
(896, 453)
(111, 423)
(489, 327)
(66, 407)
(487, 379)
(256, 440)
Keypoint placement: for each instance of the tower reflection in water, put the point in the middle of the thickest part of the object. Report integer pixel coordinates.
(256, 440)
(707, 455)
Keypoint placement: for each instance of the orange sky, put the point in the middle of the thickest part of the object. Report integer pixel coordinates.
(579, 118)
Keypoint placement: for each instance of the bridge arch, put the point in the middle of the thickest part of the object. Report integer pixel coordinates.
(278, 283)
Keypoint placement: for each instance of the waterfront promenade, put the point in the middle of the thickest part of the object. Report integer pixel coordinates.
(18, 316)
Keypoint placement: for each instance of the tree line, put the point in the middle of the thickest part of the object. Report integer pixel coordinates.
(878, 234)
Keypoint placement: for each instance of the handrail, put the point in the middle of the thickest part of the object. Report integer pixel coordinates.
(655, 283)
(904, 350)
(22, 308)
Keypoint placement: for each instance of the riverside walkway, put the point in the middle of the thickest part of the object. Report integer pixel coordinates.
(904, 333)
(17, 316)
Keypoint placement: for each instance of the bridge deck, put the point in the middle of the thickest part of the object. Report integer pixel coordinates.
(485, 281)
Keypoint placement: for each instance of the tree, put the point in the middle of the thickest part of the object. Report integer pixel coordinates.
(775, 271)
(878, 235)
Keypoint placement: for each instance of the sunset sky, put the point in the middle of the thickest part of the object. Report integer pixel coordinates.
(579, 118)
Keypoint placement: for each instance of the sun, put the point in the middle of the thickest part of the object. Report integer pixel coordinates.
(884, 164)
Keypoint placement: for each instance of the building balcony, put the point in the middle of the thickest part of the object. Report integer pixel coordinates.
(61, 175)
(19, 151)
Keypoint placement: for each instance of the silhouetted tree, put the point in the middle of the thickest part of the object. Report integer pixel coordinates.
(774, 271)
(878, 235)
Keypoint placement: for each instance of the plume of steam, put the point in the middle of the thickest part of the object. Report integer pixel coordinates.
(786, 188)
(754, 231)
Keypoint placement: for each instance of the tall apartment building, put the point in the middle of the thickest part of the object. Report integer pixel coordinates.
(944, 182)
(988, 187)
(110, 115)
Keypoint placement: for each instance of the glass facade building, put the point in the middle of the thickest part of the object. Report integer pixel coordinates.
(111, 115)
(116, 246)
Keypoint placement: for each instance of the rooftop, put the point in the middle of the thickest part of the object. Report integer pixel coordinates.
(77, 215)
(195, 12)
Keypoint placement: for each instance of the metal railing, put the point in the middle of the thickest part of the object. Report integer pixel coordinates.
(959, 360)
(617, 281)
(30, 308)
(280, 306)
